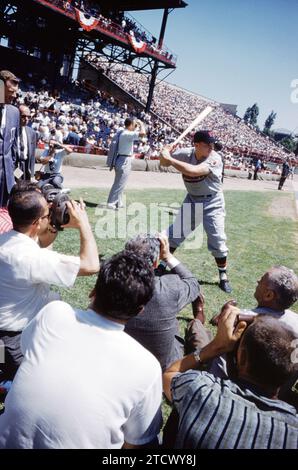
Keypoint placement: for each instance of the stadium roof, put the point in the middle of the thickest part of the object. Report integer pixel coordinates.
(133, 5)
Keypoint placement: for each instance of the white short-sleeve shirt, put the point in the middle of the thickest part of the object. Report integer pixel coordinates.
(26, 274)
(83, 383)
(126, 140)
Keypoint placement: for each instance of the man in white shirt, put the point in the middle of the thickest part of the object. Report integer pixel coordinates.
(27, 271)
(123, 152)
(84, 383)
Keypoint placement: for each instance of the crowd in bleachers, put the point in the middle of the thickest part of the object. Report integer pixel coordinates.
(76, 119)
(178, 107)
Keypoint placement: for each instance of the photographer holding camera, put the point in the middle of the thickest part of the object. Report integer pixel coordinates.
(27, 271)
(52, 158)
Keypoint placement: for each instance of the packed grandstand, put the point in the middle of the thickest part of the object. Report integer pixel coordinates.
(89, 121)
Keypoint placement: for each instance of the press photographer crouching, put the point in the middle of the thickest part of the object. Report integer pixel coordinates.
(27, 270)
(52, 159)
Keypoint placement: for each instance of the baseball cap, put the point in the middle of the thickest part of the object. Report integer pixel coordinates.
(7, 75)
(204, 136)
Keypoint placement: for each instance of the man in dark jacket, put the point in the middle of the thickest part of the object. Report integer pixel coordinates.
(284, 174)
(28, 145)
(157, 328)
(9, 131)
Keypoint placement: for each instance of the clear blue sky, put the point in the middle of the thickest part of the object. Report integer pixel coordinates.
(236, 51)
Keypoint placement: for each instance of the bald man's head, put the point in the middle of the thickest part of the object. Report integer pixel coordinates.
(25, 115)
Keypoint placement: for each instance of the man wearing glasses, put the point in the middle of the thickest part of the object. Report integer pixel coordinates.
(201, 169)
(28, 145)
(27, 271)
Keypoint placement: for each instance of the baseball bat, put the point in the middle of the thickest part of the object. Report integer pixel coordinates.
(193, 124)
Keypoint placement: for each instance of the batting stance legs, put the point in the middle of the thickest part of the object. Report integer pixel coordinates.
(122, 171)
(212, 210)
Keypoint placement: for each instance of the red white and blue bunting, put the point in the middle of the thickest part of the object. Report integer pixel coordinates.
(87, 22)
(138, 46)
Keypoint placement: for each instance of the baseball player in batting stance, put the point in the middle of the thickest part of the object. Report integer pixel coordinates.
(201, 169)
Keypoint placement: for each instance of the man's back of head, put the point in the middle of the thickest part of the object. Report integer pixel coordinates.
(125, 284)
(265, 354)
(25, 208)
(146, 246)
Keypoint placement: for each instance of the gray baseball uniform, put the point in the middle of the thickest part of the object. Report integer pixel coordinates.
(122, 166)
(205, 190)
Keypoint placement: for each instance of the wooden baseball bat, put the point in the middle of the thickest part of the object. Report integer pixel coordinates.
(193, 124)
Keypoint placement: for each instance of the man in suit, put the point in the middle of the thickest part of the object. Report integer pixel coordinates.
(157, 327)
(28, 142)
(9, 132)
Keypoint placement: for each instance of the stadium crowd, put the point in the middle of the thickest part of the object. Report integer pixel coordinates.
(178, 107)
(88, 122)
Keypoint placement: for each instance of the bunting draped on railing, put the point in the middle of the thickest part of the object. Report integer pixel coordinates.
(87, 22)
(138, 46)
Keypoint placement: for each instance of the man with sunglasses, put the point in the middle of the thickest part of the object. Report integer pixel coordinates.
(201, 169)
(28, 271)
(28, 140)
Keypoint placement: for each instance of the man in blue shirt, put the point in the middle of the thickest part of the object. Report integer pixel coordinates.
(52, 158)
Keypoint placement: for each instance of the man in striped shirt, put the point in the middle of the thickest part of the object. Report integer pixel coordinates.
(244, 413)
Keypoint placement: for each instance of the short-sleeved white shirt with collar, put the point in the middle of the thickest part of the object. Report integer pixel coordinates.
(26, 274)
(126, 141)
(83, 383)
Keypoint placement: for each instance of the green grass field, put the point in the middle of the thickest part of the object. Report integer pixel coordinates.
(256, 241)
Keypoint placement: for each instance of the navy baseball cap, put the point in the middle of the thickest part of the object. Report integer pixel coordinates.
(204, 136)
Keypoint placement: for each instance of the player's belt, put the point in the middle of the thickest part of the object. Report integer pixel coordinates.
(204, 195)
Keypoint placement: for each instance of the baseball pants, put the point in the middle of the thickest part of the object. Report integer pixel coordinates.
(190, 215)
(122, 171)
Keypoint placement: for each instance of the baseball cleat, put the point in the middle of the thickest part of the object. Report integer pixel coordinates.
(225, 286)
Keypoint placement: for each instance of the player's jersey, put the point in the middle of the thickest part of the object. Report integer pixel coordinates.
(201, 185)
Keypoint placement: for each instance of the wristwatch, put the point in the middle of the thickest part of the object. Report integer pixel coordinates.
(196, 355)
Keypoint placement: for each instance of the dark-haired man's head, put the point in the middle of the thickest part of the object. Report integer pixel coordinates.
(23, 185)
(130, 124)
(124, 286)
(147, 247)
(204, 143)
(29, 212)
(265, 352)
(277, 288)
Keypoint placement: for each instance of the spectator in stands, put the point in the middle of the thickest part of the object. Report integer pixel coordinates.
(243, 413)
(28, 139)
(83, 140)
(52, 158)
(27, 271)
(157, 328)
(116, 395)
(73, 137)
